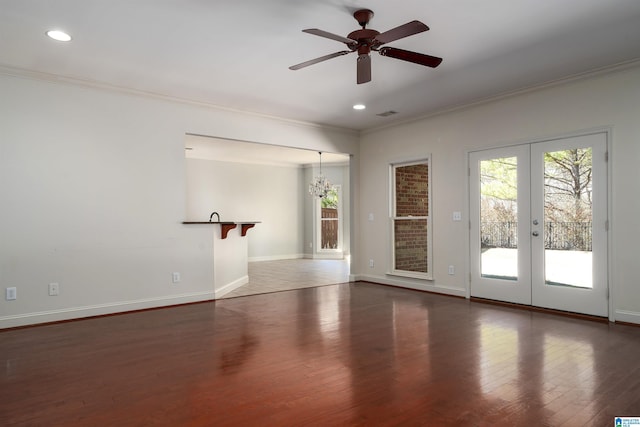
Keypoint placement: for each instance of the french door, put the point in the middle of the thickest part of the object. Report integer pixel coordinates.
(539, 224)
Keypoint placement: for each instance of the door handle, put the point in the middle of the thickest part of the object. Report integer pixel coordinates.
(535, 233)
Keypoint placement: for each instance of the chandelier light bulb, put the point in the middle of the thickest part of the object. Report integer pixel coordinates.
(320, 186)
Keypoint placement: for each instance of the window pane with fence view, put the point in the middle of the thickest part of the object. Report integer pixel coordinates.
(329, 217)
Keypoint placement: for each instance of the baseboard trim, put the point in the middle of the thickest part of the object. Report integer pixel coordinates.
(328, 256)
(276, 257)
(401, 283)
(230, 287)
(626, 316)
(49, 316)
(541, 310)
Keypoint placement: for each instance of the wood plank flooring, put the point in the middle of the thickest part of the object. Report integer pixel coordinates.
(352, 354)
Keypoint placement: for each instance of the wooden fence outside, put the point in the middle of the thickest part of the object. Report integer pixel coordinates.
(329, 230)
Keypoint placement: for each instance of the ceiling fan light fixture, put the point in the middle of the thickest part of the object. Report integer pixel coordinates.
(359, 107)
(366, 40)
(58, 35)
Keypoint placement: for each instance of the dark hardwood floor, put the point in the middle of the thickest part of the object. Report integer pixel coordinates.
(350, 354)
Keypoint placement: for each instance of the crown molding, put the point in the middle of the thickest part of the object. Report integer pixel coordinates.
(11, 71)
(512, 93)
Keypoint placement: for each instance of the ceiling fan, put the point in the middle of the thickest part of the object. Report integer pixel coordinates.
(365, 40)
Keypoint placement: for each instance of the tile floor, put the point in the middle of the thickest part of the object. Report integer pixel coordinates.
(282, 275)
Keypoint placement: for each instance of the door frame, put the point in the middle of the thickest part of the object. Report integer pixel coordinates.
(607, 131)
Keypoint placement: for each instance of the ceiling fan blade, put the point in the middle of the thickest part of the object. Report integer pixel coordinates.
(364, 68)
(322, 58)
(321, 33)
(406, 55)
(406, 30)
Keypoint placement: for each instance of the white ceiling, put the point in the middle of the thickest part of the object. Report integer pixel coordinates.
(236, 54)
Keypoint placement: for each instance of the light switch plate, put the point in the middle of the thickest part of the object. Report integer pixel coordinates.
(457, 216)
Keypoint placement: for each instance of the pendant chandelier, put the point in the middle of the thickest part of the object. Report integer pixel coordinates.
(320, 186)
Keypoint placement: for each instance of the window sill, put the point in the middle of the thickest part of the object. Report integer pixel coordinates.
(411, 274)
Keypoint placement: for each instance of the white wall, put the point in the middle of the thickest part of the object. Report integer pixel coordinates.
(92, 186)
(611, 100)
(273, 195)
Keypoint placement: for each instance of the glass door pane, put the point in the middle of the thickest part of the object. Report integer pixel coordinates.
(568, 217)
(568, 224)
(499, 218)
(499, 214)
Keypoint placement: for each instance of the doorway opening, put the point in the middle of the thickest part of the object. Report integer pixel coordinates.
(267, 183)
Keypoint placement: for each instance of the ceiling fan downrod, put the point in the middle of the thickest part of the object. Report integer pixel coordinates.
(363, 16)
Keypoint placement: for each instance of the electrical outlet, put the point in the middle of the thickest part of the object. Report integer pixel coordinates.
(452, 270)
(175, 277)
(457, 216)
(12, 293)
(54, 289)
(371, 263)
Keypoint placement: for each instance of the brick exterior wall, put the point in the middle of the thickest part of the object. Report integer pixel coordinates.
(411, 245)
(411, 235)
(412, 190)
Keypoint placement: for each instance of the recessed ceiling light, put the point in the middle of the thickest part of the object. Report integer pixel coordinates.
(359, 107)
(61, 36)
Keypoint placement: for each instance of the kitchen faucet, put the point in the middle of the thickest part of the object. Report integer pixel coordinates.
(216, 214)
